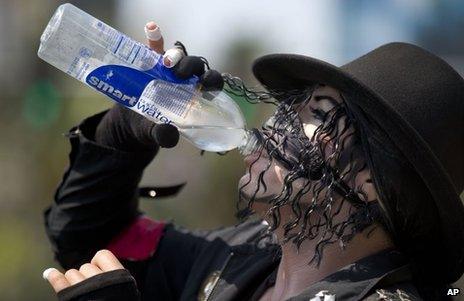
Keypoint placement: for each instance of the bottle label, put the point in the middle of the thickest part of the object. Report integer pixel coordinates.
(155, 93)
(165, 102)
(125, 48)
(113, 81)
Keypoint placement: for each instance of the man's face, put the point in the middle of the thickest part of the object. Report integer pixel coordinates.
(265, 177)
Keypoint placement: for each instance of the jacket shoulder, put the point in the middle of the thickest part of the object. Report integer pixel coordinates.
(253, 231)
(186, 257)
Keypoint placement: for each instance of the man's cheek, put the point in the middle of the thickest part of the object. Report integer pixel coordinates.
(273, 180)
(280, 173)
(309, 129)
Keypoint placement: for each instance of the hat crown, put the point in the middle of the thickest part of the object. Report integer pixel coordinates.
(426, 92)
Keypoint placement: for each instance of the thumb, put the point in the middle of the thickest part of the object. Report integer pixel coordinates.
(212, 80)
(165, 135)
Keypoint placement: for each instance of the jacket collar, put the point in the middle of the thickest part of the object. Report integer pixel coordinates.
(356, 280)
(353, 282)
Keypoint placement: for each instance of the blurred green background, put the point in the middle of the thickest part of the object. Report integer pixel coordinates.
(39, 103)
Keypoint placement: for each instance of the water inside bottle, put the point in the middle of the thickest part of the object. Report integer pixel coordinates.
(214, 138)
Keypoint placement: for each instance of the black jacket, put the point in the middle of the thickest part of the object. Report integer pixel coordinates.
(98, 198)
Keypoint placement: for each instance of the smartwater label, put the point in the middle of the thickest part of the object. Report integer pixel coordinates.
(123, 84)
(164, 97)
(151, 93)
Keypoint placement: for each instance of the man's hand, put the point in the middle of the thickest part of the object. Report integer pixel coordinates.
(103, 261)
(127, 130)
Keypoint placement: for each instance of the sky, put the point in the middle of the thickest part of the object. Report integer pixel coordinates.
(296, 26)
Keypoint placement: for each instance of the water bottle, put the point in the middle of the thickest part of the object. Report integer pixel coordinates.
(134, 76)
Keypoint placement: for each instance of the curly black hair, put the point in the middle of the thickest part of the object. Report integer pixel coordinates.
(328, 173)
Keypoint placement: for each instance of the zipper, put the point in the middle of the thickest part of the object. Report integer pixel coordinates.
(220, 273)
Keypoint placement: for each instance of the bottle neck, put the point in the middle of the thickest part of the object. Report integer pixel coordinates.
(250, 142)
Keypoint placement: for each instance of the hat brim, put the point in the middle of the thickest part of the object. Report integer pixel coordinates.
(289, 71)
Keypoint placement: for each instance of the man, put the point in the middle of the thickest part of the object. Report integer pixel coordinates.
(355, 181)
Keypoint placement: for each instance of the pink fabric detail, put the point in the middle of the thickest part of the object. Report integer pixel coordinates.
(138, 241)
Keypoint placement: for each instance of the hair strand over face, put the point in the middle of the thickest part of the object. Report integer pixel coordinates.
(327, 163)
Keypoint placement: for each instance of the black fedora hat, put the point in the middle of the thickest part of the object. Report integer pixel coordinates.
(418, 101)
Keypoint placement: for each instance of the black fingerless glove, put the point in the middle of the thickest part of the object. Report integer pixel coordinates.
(126, 130)
(117, 285)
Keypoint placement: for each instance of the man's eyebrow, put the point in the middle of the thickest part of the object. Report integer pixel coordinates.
(332, 100)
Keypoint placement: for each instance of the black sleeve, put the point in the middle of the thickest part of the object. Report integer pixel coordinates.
(117, 285)
(97, 197)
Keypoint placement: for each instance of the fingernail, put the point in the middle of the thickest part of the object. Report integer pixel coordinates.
(167, 61)
(172, 57)
(47, 272)
(152, 31)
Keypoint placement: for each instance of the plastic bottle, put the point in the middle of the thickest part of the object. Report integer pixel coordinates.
(134, 76)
